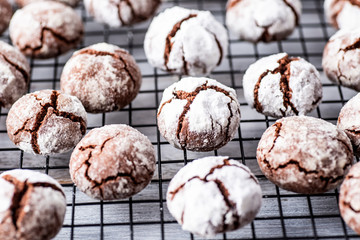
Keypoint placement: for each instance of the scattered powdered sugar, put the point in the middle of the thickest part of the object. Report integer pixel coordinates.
(223, 181)
(342, 14)
(198, 42)
(341, 58)
(262, 20)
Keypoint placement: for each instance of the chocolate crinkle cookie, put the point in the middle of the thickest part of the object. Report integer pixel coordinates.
(349, 122)
(213, 195)
(304, 154)
(198, 114)
(118, 13)
(341, 58)
(46, 122)
(279, 85)
(32, 204)
(187, 42)
(71, 3)
(103, 76)
(344, 14)
(262, 20)
(45, 29)
(14, 74)
(112, 162)
(349, 203)
(5, 15)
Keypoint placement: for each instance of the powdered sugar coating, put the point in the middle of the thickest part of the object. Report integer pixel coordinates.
(71, 3)
(103, 76)
(349, 198)
(198, 114)
(117, 13)
(341, 58)
(304, 154)
(14, 74)
(349, 122)
(45, 29)
(234, 192)
(46, 122)
(33, 205)
(343, 14)
(184, 41)
(262, 20)
(112, 162)
(5, 13)
(280, 86)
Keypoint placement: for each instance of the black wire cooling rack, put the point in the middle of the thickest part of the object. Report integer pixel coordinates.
(284, 215)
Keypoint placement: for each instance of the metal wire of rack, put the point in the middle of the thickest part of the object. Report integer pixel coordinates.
(284, 215)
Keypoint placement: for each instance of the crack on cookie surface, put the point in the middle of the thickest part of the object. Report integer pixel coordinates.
(57, 36)
(284, 70)
(355, 45)
(294, 11)
(41, 116)
(99, 185)
(113, 55)
(22, 194)
(22, 71)
(233, 3)
(169, 44)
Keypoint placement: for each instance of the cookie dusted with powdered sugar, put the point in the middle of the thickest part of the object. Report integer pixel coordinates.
(198, 114)
(279, 85)
(112, 162)
(304, 154)
(344, 14)
(45, 29)
(262, 20)
(184, 41)
(32, 204)
(5, 13)
(71, 3)
(118, 13)
(103, 76)
(349, 198)
(349, 122)
(46, 122)
(213, 195)
(14, 75)
(341, 58)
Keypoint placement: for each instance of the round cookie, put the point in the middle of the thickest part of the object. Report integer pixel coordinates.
(103, 76)
(117, 13)
(45, 29)
(198, 114)
(71, 3)
(304, 154)
(32, 204)
(344, 14)
(349, 122)
(262, 20)
(14, 75)
(112, 162)
(5, 13)
(341, 58)
(46, 122)
(349, 198)
(213, 195)
(187, 42)
(279, 85)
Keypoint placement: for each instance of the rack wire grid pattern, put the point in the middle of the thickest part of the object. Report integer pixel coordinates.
(284, 215)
